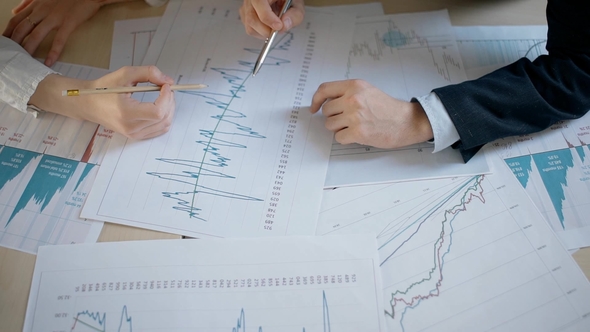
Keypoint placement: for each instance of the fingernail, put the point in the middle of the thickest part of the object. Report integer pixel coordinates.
(48, 62)
(276, 26)
(169, 79)
(287, 23)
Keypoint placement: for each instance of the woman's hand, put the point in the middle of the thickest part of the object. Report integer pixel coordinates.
(117, 111)
(33, 20)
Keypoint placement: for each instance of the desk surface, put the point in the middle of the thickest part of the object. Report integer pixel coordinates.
(91, 45)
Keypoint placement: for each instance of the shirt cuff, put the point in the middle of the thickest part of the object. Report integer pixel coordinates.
(19, 78)
(445, 133)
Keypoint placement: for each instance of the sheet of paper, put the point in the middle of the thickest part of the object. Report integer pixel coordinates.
(244, 157)
(130, 43)
(131, 40)
(554, 168)
(406, 56)
(487, 48)
(47, 166)
(464, 254)
(553, 165)
(274, 284)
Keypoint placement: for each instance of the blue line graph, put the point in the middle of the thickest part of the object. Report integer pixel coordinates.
(216, 140)
(97, 321)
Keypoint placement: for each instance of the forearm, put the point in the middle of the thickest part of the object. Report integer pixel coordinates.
(48, 96)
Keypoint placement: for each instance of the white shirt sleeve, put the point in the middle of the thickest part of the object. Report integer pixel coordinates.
(445, 133)
(19, 75)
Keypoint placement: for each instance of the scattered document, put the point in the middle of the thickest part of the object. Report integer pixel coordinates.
(464, 254)
(553, 165)
(487, 48)
(274, 284)
(244, 156)
(47, 167)
(406, 56)
(554, 168)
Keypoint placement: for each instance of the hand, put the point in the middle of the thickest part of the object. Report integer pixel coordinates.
(120, 112)
(360, 113)
(33, 20)
(260, 16)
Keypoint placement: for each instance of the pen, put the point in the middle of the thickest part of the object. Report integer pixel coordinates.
(268, 41)
(127, 89)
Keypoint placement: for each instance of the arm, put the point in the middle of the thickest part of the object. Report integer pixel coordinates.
(259, 16)
(33, 20)
(24, 81)
(527, 97)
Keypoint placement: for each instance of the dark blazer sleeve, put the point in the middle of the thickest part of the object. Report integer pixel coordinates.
(527, 97)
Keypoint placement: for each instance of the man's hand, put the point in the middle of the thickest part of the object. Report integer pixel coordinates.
(260, 16)
(360, 113)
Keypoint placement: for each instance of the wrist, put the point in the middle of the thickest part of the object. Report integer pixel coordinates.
(422, 126)
(48, 96)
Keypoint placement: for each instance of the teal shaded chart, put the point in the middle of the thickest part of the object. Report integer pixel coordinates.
(40, 199)
(47, 164)
(558, 181)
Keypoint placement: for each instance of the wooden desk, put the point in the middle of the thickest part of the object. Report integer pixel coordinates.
(91, 45)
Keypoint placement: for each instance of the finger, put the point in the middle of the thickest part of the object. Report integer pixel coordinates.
(294, 16)
(336, 123)
(22, 5)
(254, 27)
(159, 110)
(18, 21)
(155, 129)
(36, 36)
(345, 136)
(325, 91)
(333, 107)
(59, 42)
(149, 74)
(266, 15)
(259, 29)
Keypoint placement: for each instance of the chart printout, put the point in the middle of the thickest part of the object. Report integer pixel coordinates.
(406, 56)
(307, 284)
(487, 48)
(131, 38)
(47, 166)
(244, 157)
(464, 254)
(552, 165)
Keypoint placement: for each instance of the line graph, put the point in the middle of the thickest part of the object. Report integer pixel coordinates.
(221, 137)
(456, 252)
(303, 284)
(243, 157)
(98, 321)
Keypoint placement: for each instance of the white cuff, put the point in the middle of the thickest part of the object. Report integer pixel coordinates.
(445, 133)
(19, 75)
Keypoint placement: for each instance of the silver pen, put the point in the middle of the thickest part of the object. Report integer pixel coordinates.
(268, 41)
